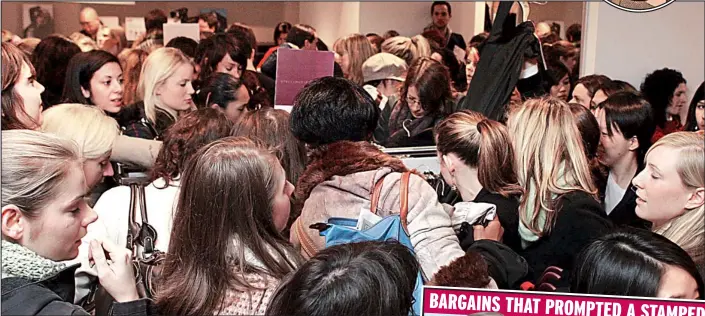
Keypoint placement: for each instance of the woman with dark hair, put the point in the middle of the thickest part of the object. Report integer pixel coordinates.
(335, 118)
(695, 120)
(637, 263)
(95, 78)
(272, 127)
(220, 53)
(181, 141)
(260, 96)
(226, 93)
(563, 52)
(426, 99)
(280, 33)
(626, 125)
(665, 89)
(607, 89)
(50, 59)
(556, 80)
(477, 160)
(585, 89)
(222, 260)
(590, 132)
(21, 93)
(363, 278)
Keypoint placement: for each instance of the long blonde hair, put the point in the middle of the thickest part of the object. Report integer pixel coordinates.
(358, 49)
(92, 130)
(35, 166)
(550, 159)
(158, 67)
(687, 230)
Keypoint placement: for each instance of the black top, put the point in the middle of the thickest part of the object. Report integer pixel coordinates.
(498, 70)
(507, 213)
(54, 296)
(456, 40)
(580, 219)
(624, 213)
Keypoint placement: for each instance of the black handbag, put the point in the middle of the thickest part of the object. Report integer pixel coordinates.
(147, 263)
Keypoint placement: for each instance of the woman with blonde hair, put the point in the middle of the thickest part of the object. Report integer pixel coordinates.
(558, 213)
(351, 52)
(165, 88)
(409, 49)
(44, 217)
(21, 93)
(671, 191)
(93, 131)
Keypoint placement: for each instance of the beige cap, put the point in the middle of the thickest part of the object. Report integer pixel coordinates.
(384, 66)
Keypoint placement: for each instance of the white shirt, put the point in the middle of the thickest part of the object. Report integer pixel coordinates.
(113, 209)
(613, 194)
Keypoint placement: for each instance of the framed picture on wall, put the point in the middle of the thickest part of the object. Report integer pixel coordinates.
(37, 20)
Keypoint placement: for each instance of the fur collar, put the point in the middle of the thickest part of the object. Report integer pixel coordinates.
(341, 159)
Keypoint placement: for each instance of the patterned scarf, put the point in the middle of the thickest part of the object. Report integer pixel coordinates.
(18, 261)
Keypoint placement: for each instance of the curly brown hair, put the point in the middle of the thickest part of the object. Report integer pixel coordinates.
(181, 141)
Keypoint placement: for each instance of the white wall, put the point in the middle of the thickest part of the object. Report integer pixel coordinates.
(333, 20)
(627, 46)
(407, 18)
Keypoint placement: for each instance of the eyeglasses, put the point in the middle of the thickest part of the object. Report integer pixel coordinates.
(413, 101)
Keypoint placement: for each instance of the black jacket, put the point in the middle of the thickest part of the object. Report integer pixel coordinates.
(505, 266)
(54, 296)
(507, 210)
(501, 59)
(456, 40)
(396, 127)
(624, 213)
(580, 219)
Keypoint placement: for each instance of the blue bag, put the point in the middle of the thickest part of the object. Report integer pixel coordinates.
(343, 230)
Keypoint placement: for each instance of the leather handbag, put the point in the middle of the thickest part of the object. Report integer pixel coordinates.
(147, 261)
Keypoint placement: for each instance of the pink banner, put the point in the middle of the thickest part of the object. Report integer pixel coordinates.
(459, 301)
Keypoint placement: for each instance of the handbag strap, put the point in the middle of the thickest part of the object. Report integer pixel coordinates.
(139, 233)
(304, 239)
(133, 228)
(148, 235)
(403, 197)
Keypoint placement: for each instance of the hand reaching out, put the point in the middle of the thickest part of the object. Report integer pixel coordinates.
(493, 231)
(115, 273)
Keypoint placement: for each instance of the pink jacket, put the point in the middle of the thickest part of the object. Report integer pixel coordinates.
(347, 192)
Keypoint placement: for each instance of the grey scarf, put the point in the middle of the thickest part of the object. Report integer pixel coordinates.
(18, 261)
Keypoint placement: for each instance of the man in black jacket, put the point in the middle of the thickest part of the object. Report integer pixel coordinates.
(441, 13)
